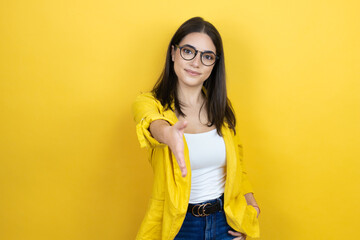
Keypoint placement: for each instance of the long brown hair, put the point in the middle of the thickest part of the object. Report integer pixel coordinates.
(219, 108)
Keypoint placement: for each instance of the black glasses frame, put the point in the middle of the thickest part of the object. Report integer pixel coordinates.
(196, 52)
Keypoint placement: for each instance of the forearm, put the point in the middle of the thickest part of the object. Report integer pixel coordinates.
(158, 130)
(250, 199)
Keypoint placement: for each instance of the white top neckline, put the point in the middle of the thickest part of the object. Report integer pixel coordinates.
(201, 132)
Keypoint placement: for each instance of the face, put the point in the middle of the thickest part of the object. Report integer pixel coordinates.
(193, 73)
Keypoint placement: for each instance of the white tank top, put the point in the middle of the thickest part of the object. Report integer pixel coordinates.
(208, 165)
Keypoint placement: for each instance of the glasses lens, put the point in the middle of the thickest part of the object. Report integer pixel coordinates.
(208, 58)
(187, 52)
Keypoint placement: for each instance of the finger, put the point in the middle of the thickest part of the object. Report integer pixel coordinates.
(239, 238)
(182, 166)
(179, 155)
(181, 163)
(184, 172)
(237, 234)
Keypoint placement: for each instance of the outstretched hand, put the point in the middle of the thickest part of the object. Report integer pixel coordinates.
(175, 142)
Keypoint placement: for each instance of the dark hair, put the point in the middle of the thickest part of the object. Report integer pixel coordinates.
(219, 107)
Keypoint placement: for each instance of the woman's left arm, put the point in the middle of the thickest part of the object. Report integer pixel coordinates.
(250, 199)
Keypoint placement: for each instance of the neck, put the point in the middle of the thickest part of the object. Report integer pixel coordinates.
(190, 96)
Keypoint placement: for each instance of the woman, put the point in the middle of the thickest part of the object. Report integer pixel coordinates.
(200, 189)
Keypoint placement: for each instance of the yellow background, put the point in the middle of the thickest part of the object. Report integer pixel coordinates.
(71, 167)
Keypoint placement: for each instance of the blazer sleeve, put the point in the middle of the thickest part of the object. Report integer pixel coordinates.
(146, 109)
(246, 186)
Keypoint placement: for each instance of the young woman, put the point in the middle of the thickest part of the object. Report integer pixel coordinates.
(201, 190)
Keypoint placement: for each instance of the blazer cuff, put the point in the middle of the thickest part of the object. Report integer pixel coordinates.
(145, 138)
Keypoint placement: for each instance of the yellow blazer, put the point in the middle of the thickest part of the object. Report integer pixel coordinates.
(171, 192)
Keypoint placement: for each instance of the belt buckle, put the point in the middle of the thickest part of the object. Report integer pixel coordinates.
(202, 208)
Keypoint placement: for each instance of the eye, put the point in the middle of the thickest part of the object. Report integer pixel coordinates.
(209, 56)
(188, 50)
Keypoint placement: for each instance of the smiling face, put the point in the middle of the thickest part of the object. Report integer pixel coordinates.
(193, 73)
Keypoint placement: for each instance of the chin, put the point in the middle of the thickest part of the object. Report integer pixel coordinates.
(192, 82)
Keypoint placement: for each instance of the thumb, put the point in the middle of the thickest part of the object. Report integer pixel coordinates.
(181, 125)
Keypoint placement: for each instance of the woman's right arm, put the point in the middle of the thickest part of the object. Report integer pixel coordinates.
(172, 136)
(155, 130)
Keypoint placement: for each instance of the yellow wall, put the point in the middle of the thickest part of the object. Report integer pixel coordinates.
(71, 167)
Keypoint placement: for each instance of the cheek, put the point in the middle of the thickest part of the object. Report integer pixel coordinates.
(178, 65)
(208, 72)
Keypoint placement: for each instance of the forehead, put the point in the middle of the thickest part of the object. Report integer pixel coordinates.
(201, 41)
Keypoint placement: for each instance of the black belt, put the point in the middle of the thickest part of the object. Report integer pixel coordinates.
(205, 209)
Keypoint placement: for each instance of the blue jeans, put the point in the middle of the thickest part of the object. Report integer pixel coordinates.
(212, 227)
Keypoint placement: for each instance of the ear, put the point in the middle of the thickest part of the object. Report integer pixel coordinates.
(172, 53)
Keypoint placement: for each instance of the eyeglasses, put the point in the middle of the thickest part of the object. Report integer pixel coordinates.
(188, 52)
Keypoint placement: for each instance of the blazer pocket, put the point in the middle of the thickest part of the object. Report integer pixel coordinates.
(250, 222)
(151, 226)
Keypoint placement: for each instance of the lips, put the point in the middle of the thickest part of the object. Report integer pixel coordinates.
(192, 73)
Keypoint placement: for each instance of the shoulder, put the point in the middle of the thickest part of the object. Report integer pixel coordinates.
(149, 96)
(147, 99)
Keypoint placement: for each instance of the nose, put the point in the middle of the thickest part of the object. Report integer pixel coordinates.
(196, 61)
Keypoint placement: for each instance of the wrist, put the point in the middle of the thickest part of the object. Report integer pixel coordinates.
(257, 208)
(165, 133)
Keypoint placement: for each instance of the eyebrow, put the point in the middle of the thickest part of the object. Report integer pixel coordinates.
(198, 49)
